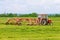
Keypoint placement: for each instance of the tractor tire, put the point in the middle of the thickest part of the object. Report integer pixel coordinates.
(44, 22)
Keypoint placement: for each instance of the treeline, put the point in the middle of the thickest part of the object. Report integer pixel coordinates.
(18, 15)
(54, 15)
(25, 15)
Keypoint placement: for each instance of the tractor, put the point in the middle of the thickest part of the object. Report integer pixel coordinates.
(43, 19)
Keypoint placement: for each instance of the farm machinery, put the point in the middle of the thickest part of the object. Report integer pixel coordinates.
(41, 19)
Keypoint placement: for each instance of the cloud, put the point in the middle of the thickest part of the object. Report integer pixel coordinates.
(27, 6)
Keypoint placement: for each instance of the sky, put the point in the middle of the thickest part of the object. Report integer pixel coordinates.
(29, 6)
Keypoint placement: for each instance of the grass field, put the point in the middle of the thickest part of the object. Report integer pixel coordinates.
(24, 32)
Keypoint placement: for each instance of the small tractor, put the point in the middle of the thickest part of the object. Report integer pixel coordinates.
(43, 19)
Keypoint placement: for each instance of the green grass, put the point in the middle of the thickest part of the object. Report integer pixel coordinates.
(24, 32)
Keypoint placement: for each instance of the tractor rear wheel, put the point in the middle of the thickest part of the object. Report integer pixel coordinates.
(44, 22)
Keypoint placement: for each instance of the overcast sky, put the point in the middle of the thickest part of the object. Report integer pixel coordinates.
(29, 6)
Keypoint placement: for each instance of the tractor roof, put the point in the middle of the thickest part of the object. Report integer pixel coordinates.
(42, 14)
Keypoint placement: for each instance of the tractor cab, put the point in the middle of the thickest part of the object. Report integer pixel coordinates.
(43, 19)
(45, 16)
